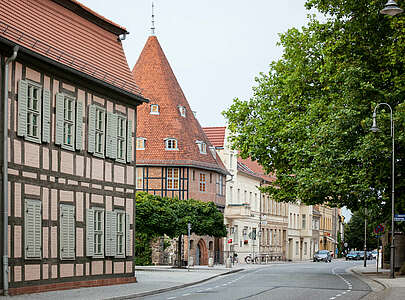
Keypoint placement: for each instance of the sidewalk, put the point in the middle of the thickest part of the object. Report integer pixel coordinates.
(151, 280)
(384, 288)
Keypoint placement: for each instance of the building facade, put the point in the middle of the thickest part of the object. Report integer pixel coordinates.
(71, 157)
(174, 156)
(256, 224)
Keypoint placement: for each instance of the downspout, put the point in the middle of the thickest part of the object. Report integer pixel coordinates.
(5, 173)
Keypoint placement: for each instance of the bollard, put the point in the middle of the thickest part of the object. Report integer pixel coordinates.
(210, 262)
(191, 261)
(228, 263)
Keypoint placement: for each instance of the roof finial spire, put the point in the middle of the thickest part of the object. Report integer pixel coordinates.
(152, 29)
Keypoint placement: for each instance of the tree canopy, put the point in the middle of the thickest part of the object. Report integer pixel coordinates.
(309, 118)
(158, 216)
(354, 232)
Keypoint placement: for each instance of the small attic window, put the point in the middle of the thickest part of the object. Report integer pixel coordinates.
(182, 111)
(202, 147)
(154, 109)
(140, 143)
(171, 144)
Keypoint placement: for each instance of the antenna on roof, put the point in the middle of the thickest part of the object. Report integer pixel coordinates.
(152, 29)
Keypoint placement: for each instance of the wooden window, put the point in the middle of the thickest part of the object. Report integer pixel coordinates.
(100, 129)
(154, 109)
(139, 178)
(140, 143)
(121, 138)
(171, 144)
(203, 182)
(304, 221)
(33, 229)
(173, 178)
(96, 140)
(33, 112)
(67, 232)
(182, 111)
(68, 122)
(120, 233)
(202, 147)
(95, 232)
(220, 185)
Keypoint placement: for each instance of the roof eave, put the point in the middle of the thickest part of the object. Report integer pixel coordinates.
(23, 51)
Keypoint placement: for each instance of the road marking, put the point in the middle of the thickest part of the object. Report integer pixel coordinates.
(331, 298)
(225, 284)
(171, 298)
(188, 294)
(216, 287)
(348, 291)
(344, 293)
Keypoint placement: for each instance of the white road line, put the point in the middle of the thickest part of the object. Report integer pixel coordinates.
(347, 290)
(188, 294)
(225, 284)
(216, 287)
(171, 298)
(331, 298)
(344, 293)
(338, 295)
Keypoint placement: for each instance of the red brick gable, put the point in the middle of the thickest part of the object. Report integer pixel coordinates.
(155, 77)
(61, 34)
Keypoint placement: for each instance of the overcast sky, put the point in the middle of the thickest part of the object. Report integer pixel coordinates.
(216, 48)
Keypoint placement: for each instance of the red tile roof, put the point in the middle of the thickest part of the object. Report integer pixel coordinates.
(61, 31)
(216, 135)
(154, 75)
(254, 167)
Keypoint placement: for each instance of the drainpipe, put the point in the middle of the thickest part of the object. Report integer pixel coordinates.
(5, 173)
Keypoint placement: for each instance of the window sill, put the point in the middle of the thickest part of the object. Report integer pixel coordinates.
(100, 155)
(33, 139)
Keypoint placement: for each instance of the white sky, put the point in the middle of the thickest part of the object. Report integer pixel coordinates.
(215, 48)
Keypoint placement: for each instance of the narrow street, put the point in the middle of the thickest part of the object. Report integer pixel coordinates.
(307, 280)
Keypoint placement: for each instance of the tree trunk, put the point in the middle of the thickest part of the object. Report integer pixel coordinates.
(179, 250)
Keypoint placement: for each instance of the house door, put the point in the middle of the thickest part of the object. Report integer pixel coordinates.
(290, 249)
(198, 255)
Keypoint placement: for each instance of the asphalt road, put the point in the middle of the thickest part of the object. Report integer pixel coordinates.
(288, 281)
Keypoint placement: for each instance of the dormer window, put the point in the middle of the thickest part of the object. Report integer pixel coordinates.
(171, 144)
(182, 111)
(202, 147)
(140, 143)
(154, 109)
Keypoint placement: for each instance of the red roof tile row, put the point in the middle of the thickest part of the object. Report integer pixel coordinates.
(154, 75)
(56, 32)
(216, 135)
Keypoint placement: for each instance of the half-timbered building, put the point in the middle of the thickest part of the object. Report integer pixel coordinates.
(69, 182)
(174, 156)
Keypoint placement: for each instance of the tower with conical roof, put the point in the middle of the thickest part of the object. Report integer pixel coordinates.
(174, 156)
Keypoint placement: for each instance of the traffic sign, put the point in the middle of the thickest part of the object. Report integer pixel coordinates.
(398, 219)
(399, 216)
(379, 229)
(345, 244)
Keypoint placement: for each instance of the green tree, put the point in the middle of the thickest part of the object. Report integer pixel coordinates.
(309, 118)
(354, 232)
(158, 216)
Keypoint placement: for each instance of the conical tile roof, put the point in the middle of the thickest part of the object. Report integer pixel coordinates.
(158, 83)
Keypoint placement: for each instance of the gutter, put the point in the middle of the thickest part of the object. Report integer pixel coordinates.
(5, 172)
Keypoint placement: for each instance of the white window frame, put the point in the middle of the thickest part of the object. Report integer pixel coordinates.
(140, 143)
(171, 144)
(172, 179)
(34, 112)
(154, 109)
(69, 121)
(120, 234)
(202, 147)
(203, 182)
(121, 138)
(220, 185)
(182, 111)
(139, 178)
(100, 132)
(98, 231)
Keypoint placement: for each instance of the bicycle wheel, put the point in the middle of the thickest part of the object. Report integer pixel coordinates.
(248, 259)
(256, 260)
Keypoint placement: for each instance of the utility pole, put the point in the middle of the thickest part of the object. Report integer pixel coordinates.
(188, 248)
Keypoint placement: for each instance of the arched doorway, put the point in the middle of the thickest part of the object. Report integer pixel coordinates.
(201, 255)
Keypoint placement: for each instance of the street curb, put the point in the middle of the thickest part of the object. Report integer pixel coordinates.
(171, 288)
(372, 279)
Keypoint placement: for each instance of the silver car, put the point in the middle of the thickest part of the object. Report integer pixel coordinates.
(322, 255)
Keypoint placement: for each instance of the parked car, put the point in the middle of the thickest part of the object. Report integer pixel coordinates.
(322, 255)
(353, 255)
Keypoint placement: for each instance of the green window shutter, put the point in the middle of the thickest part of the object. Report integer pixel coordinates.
(108, 220)
(127, 235)
(111, 140)
(22, 107)
(89, 232)
(92, 129)
(33, 229)
(114, 233)
(129, 141)
(79, 125)
(67, 232)
(59, 119)
(46, 116)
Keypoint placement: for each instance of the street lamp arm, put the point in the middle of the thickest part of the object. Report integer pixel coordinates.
(392, 120)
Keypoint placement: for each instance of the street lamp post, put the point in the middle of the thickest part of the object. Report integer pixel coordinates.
(374, 128)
